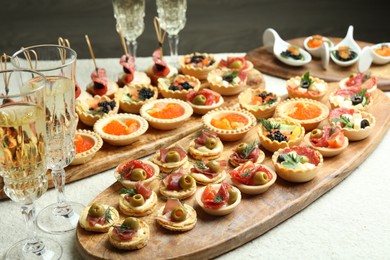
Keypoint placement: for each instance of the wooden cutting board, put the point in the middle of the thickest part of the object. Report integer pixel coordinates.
(267, 63)
(256, 214)
(110, 156)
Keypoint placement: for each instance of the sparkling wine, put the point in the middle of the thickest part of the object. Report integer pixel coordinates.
(130, 15)
(172, 14)
(22, 151)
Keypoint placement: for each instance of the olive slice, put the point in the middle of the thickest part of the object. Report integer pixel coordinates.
(96, 210)
(241, 148)
(172, 156)
(138, 174)
(260, 178)
(364, 123)
(186, 182)
(137, 200)
(316, 133)
(233, 195)
(179, 214)
(211, 143)
(199, 100)
(214, 166)
(131, 223)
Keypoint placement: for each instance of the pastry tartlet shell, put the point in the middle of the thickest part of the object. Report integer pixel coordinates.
(136, 242)
(197, 72)
(98, 228)
(179, 226)
(229, 90)
(81, 158)
(133, 107)
(325, 151)
(126, 208)
(266, 112)
(147, 182)
(308, 94)
(164, 83)
(89, 119)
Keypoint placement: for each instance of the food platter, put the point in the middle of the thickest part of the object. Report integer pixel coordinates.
(267, 63)
(262, 212)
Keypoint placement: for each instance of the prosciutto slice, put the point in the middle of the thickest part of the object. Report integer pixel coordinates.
(171, 204)
(206, 170)
(143, 190)
(202, 138)
(253, 156)
(163, 153)
(171, 182)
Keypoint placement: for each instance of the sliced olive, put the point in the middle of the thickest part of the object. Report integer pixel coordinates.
(260, 178)
(364, 123)
(237, 64)
(316, 133)
(137, 200)
(305, 84)
(214, 166)
(96, 210)
(356, 100)
(179, 214)
(233, 195)
(137, 174)
(199, 100)
(211, 143)
(172, 156)
(241, 148)
(280, 158)
(304, 159)
(186, 182)
(131, 223)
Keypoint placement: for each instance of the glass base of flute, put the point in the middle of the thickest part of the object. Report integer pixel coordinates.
(173, 60)
(62, 216)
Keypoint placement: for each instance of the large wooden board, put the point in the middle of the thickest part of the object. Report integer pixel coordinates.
(267, 63)
(254, 216)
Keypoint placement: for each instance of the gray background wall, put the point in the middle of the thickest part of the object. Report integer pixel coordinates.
(212, 25)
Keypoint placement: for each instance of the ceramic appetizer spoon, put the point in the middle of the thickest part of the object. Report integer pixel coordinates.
(281, 49)
(348, 44)
(378, 54)
(321, 51)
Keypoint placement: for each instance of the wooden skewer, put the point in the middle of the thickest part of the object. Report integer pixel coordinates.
(122, 38)
(3, 66)
(91, 51)
(160, 35)
(28, 58)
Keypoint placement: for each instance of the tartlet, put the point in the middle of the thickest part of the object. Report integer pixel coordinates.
(206, 146)
(330, 141)
(204, 100)
(177, 86)
(306, 86)
(101, 85)
(159, 69)
(236, 63)
(230, 124)
(227, 82)
(128, 178)
(121, 129)
(297, 163)
(130, 76)
(276, 133)
(136, 235)
(245, 152)
(208, 172)
(359, 80)
(138, 202)
(178, 184)
(198, 65)
(170, 159)
(132, 97)
(98, 217)
(355, 124)
(308, 112)
(91, 109)
(260, 103)
(87, 143)
(253, 178)
(353, 97)
(176, 217)
(205, 197)
(166, 114)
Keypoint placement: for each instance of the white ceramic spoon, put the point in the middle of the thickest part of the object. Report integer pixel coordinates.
(274, 44)
(369, 56)
(351, 43)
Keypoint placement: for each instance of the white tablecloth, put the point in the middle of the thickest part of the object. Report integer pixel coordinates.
(351, 221)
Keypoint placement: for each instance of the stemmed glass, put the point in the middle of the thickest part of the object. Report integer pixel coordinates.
(129, 14)
(172, 16)
(58, 64)
(22, 155)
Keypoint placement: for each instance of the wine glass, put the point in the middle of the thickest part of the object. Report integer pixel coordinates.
(129, 14)
(22, 155)
(172, 16)
(58, 64)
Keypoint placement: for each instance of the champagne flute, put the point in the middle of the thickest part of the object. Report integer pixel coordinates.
(58, 64)
(22, 155)
(172, 16)
(129, 14)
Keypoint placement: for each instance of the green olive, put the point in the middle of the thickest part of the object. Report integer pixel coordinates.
(199, 100)
(316, 133)
(241, 148)
(179, 214)
(237, 64)
(211, 143)
(233, 195)
(137, 200)
(214, 166)
(260, 178)
(172, 156)
(304, 159)
(137, 174)
(96, 210)
(186, 182)
(131, 223)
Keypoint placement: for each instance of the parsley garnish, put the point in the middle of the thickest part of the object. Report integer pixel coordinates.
(200, 165)
(218, 198)
(268, 125)
(344, 121)
(129, 191)
(246, 173)
(291, 159)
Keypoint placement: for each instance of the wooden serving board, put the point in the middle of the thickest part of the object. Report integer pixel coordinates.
(110, 156)
(267, 63)
(213, 235)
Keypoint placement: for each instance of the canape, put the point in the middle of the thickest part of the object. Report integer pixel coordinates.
(130, 76)
(87, 143)
(177, 86)
(91, 109)
(227, 82)
(176, 217)
(218, 199)
(208, 172)
(245, 152)
(359, 80)
(132, 234)
(198, 65)
(178, 184)
(236, 63)
(98, 217)
(170, 159)
(353, 97)
(101, 85)
(260, 103)
(206, 146)
(306, 86)
(160, 68)
(204, 100)
(129, 172)
(132, 97)
(313, 43)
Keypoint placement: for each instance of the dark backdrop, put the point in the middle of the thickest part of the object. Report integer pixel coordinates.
(212, 25)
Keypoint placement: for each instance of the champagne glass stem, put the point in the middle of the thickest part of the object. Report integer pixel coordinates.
(59, 184)
(33, 244)
(173, 46)
(132, 47)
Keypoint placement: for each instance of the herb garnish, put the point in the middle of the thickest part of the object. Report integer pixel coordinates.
(249, 148)
(292, 159)
(230, 76)
(344, 121)
(108, 214)
(306, 81)
(268, 125)
(129, 191)
(200, 165)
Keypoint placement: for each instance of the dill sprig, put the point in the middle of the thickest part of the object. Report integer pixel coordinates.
(249, 148)
(129, 191)
(268, 125)
(108, 214)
